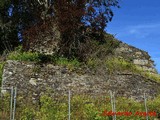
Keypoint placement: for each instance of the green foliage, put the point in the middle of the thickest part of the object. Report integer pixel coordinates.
(119, 64)
(103, 49)
(92, 63)
(24, 56)
(19, 55)
(68, 15)
(5, 106)
(154, 105)
(1, 71)
(69, 63)
(152, 76)
(110, 43)
(51, 110)
(82, 108)
(85, 108)
(27, 114)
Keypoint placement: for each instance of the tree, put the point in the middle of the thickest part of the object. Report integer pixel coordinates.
(73, 18)
(8, 31)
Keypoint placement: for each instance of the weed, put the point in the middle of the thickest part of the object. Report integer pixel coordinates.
(119, 64)
(71, 64)
(86, 108)
(1, 71)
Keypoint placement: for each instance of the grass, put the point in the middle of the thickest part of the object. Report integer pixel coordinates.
(83, 107)
(149, 75)
(24, 56)
(20, 55)
(1, 71)
(5, 107)
(119, 64)
(112, 64)
(71, 64)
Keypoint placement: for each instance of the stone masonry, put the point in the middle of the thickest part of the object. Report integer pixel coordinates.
(36, 79)
(136, 56)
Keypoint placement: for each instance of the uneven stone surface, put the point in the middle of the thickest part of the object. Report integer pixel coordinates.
(136, 56)
(37, 79)
(46, 42)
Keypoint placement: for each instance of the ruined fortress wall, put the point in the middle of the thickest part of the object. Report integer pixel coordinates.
(37, 79)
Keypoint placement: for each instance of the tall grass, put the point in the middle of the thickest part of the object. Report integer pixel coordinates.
(1, 71)
(121, 65)
(83, 107)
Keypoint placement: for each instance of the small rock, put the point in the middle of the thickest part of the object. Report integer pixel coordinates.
(33, 81)
(10, 73)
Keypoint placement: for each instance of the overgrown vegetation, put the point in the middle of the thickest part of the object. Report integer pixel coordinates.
(155, 77)
(1, 71)
(72, 18)
(102, 54)
(71, 64)
(5, 107)
(82, 108)
(103, 49)
(120, 64)
(21, 55)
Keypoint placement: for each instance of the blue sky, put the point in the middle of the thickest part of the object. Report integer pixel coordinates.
(137, 23)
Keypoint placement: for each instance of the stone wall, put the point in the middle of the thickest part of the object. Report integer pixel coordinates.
(136, 56)
(37, 79)
(46, 42)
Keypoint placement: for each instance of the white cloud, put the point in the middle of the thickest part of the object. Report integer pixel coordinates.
(144, 36)
(132, 31)
(139, 31)
(145, 26)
